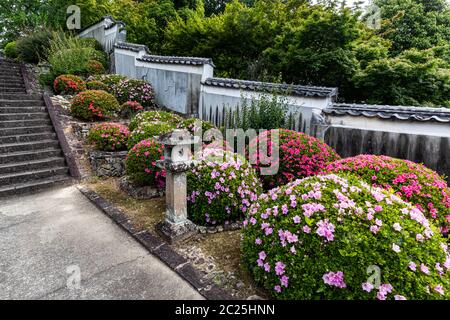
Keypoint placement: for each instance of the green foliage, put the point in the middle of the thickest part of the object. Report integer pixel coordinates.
(94, 67)
(417, 78)
(220, 189)
(109, 136)
(193, 125)
(148, 130)
(11, 50)
(268, 111)
(141, 166)
(68, 84)
(94, 105)
(32, 48)
(318, 238)
(96, 85)
(155, 116)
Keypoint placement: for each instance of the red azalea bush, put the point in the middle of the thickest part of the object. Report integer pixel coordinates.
(413, 182)
(109, 136)
(130, 108)
(68, 84)
(141, 166)
(300, 156)
(93, 105)
(95, 67)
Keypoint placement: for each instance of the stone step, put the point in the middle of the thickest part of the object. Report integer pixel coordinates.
(29, 155)
(31, 175)
(9, 75)
(19, 96)
(5, 83)
(15, 85)
(8, 78)
(21, 103)
(10, 110)
(15, 90)
(34, 186)
(24, 130)
(28, 146)
(28, 137)
(23, 116)
(32, 165)
(25, 123)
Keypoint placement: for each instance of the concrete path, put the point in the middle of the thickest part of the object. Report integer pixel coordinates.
(49, 241)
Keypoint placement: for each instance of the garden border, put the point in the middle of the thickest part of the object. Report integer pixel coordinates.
(161, 249)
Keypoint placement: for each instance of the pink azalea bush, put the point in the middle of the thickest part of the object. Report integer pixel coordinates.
(155, 116)
(109, 136)
(300, 156)
(221, 188)
(413, 182)
(130, 108)
(323, 237)
(140, 164)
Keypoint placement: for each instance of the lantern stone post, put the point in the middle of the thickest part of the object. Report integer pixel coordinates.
(177, 160)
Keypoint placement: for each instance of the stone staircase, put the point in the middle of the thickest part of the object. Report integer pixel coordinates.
(30, 155)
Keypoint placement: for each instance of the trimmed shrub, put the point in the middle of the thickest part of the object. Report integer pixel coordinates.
(94, 67)
(68, 84)
(33, 48)
(134, 90)
(94, 105)
(130, 108)
(413, 182)
(193, 125)
(300, 156)
(141, 166)
(109, 136)
(96, 85)
(111, 80)
(11, 50)
(324, 236)
(221, 188)
(148, 130)
(155, 116)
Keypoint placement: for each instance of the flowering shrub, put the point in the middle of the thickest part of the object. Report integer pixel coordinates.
(413, 182)
(96, 85)
(323, 237)
(93, 105)
(68, 84)
(220, 190)
(147, 130)
(130, 108)
(95, 67)
(109, 136)
(141, 166)
(300, 156)
(193, 125)
(155, 116)
(111, 80)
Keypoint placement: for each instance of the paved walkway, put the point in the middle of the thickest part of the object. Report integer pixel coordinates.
(51, 240)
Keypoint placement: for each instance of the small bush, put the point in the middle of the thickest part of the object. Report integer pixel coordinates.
(94, 105)
(131, 108)
(148, 130)
(221, 189)
(91, 43)
(33, 48)
(111, 80)
(323, 237)
(413, 182)
(193, 125)
(155, 116)
(68, 84)
(96, 85)
(300, 156)
(11, 50)
(141, 166)
(109, 136)
(135, 90)
(94, 67)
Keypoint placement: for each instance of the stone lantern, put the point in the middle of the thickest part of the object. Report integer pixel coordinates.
(177, 160)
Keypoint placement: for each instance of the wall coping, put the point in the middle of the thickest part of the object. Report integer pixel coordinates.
(195, 61)
(404, 113)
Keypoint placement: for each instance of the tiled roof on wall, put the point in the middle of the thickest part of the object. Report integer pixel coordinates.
(111, 22)
(176, 60)
(295, 90)
(390, 112)
(131, 46)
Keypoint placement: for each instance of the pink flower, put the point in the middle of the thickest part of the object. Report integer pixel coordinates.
(399, 297)
(279, 268)
(395, 248)
(325, 229)
(335, 279)
(424, 269)
(262, 255)
(296, 219)
(266, 267)
(439, 289)
(284, 281)
(367, 286)
(412, 266)
(397, 226)
(277, 288)
(258, 241)
(306, 229)
(378, 208)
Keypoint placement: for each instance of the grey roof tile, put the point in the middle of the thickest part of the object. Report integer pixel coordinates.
(176, 60)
